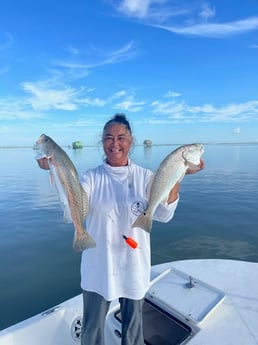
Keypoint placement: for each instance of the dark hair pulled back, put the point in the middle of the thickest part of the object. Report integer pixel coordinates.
(120, 119)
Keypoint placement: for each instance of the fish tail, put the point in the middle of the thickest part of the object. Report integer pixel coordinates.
(82, 242)
(144, 221)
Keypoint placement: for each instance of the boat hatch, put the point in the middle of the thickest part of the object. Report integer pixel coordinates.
(161, 328)
(185, 296)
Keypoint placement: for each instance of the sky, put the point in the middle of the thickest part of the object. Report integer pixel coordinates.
(181, 71)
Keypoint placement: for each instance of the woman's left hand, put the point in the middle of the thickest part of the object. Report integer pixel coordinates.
(199, 167)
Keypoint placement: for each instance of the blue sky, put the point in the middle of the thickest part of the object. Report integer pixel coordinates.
(182, 71)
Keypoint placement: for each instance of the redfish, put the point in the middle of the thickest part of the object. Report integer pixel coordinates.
(171, 170)
(73, 198)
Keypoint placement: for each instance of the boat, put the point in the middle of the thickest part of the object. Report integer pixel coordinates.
(77, 145)
(147, 143)
(195, 302)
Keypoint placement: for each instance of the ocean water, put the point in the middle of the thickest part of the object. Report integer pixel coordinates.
(216, 218)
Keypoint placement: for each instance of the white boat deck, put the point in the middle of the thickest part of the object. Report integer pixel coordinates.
(235, 320)
(221, 307)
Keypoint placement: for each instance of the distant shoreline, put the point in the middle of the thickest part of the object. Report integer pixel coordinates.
(169, 144)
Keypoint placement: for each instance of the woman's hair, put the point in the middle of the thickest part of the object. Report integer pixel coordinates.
(120, 119)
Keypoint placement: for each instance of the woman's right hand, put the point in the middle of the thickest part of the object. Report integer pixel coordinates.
(43, 163)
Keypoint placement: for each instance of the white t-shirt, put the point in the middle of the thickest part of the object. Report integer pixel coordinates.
(117, 195)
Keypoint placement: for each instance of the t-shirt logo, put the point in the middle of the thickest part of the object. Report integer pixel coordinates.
(137, 208)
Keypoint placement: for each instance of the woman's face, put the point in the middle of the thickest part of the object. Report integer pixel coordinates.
(117, 142)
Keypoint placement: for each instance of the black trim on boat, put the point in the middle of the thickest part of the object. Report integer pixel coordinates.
(160, 327)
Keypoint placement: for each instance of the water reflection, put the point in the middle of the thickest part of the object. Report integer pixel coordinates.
(147, 152)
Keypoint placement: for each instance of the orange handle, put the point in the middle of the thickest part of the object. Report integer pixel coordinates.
(130, 242)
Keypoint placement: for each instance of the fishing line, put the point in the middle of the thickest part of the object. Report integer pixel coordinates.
(163, 255)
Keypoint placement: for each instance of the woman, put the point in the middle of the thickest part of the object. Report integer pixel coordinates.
(113, 269)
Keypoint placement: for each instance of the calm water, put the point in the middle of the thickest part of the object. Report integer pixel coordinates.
(217, 218)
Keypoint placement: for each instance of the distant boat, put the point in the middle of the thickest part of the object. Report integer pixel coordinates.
(77, 145)
(147, 142)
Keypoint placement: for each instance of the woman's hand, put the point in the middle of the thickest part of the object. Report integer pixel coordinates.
(43, 163)
(199, 167)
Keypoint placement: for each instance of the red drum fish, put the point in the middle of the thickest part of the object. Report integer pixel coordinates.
(171, 170)
(73, 198)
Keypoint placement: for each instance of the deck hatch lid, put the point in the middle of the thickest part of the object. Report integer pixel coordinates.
(190, 297)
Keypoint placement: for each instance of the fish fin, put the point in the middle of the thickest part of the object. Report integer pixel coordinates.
(52, 171)
(67, 214)
(144, 221)
(51, 177)
(85, 203)
(164, 201)
(181, 177)
(83, 242)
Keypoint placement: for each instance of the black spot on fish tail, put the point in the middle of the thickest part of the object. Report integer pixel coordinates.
(144, 222)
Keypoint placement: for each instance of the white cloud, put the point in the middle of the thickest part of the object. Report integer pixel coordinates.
(174, 110)
(207, 12)
(237, 130)
(139, 9)
(12, 109)
(124, 53)
(95, 57)
(119, 94)
(187, 18)
(172, 94)
(93, 102)
(40, 98)
(170, 107)
(153, 11)
(215, 29)
(127, 102)
(129, 105)
(45, 96)
(73, 50)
